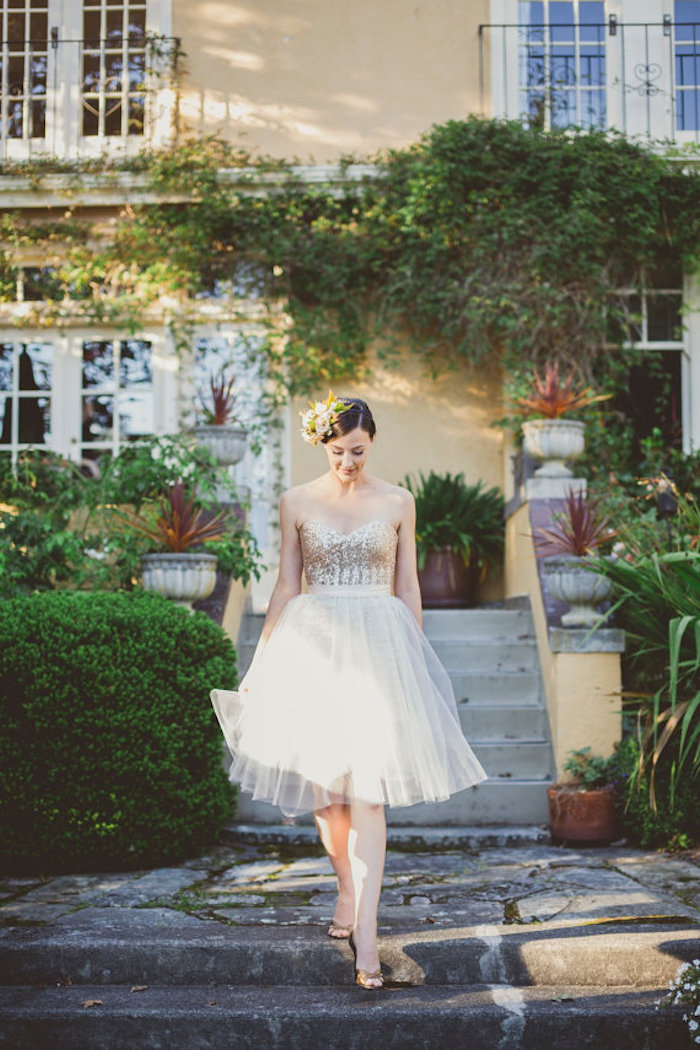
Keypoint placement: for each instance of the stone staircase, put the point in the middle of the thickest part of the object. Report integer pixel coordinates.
(491, 657)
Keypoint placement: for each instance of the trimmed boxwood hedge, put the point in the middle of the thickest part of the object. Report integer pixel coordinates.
(110, 753)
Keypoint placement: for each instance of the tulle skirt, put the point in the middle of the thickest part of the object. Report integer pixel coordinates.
(346, 702)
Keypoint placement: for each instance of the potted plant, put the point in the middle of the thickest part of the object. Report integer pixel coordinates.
(179, 526)
(548, 436)
(224, 438)
(459, 536)
(571, 547)
(583, 808)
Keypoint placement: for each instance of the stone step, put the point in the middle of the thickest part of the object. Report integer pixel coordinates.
(477, 623)
(488, 655)
(521, 759)
(410, 838)
(503, 722)
(506, 687)
(511, 800)
(169, 950)
(347, 1018)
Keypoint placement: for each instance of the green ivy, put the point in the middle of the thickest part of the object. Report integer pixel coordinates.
(484, 239)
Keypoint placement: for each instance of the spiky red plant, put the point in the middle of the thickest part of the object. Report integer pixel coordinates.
(181, 523)
(554, 397)
(580, 530)
(220, 410)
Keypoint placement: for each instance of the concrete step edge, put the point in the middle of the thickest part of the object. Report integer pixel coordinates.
(400, 836)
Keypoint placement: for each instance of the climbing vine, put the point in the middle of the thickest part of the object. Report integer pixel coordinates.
(484, 239)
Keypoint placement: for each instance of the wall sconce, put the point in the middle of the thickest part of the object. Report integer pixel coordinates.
(612, 25)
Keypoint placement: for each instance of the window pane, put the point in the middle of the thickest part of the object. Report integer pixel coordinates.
(135, 363)
(98, 418)
(5, 421)
(664, 317)
(115, 28)
(34, 366)
(113, 116)
(91, 28)
(135, 415)
(6, 366)
(98, 363)
(15, 29)
(39, 32)
(34, 420)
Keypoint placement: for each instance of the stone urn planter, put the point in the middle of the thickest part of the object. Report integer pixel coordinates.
(445, 581)
(569, 580)
(186, 577)
(227, 442)
(554, 441)
(579, 814)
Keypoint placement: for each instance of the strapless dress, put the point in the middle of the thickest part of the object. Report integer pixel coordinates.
(347, 701)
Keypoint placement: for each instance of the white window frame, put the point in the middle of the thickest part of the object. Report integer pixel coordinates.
(640, 78)
(63, 133)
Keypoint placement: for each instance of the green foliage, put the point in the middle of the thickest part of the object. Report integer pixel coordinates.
(110, 753)
(452, 513)
(675, 822)
(657, 602)
(60, 530)
(590, 771)
(483, 239)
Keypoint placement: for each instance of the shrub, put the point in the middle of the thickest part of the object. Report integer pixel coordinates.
(676, 822)
(110, 753)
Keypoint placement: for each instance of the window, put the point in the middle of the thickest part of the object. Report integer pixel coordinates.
(687, 45)
(113, 67)
(24, 67)
(117, 394)
(562, 63)
(25, 394)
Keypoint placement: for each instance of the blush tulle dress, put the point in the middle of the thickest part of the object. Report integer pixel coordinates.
(347, 701)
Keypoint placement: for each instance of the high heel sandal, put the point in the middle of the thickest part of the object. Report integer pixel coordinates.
(338, 931)
(364, 977)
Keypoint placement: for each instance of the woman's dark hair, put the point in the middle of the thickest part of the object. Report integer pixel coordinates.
(358, 415)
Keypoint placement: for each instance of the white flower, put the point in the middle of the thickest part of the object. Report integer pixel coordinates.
(693, 1025)
(156, 452)
(319, 408)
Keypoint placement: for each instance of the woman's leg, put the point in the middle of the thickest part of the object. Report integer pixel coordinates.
(367, 850)
(333, 824)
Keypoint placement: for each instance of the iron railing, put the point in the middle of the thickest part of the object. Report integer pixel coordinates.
(641, 78)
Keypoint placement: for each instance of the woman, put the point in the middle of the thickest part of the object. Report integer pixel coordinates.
(346, 706)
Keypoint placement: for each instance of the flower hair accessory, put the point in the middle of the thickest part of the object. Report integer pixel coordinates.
(317, 422)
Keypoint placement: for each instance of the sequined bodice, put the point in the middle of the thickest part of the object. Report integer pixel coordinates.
(364, 557)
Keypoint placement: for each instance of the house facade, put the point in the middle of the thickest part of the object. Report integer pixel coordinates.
(316, 82)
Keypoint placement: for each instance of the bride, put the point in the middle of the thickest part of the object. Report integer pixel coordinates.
(346, 708)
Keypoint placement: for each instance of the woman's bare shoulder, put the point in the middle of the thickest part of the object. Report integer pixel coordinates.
(294, 500)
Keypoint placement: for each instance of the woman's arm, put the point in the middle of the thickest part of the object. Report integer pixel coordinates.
(406, 580)
(289, 577)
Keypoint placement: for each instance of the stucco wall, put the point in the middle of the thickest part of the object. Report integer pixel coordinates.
(315, 79)
(441, 424)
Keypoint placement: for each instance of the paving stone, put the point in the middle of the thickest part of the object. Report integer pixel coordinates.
(255, 871)
(162, 882)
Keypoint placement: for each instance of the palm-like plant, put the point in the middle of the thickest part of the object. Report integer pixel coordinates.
(450, 513)
(180, 523)
(581, 530)
(658, 604)
(222, 399)
(553, 397)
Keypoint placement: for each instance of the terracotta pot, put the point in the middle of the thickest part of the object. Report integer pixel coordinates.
(554, 441)
(445, 581)
(582, 815)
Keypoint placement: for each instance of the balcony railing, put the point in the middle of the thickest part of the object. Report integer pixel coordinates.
(642, 78)
(81, 97)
